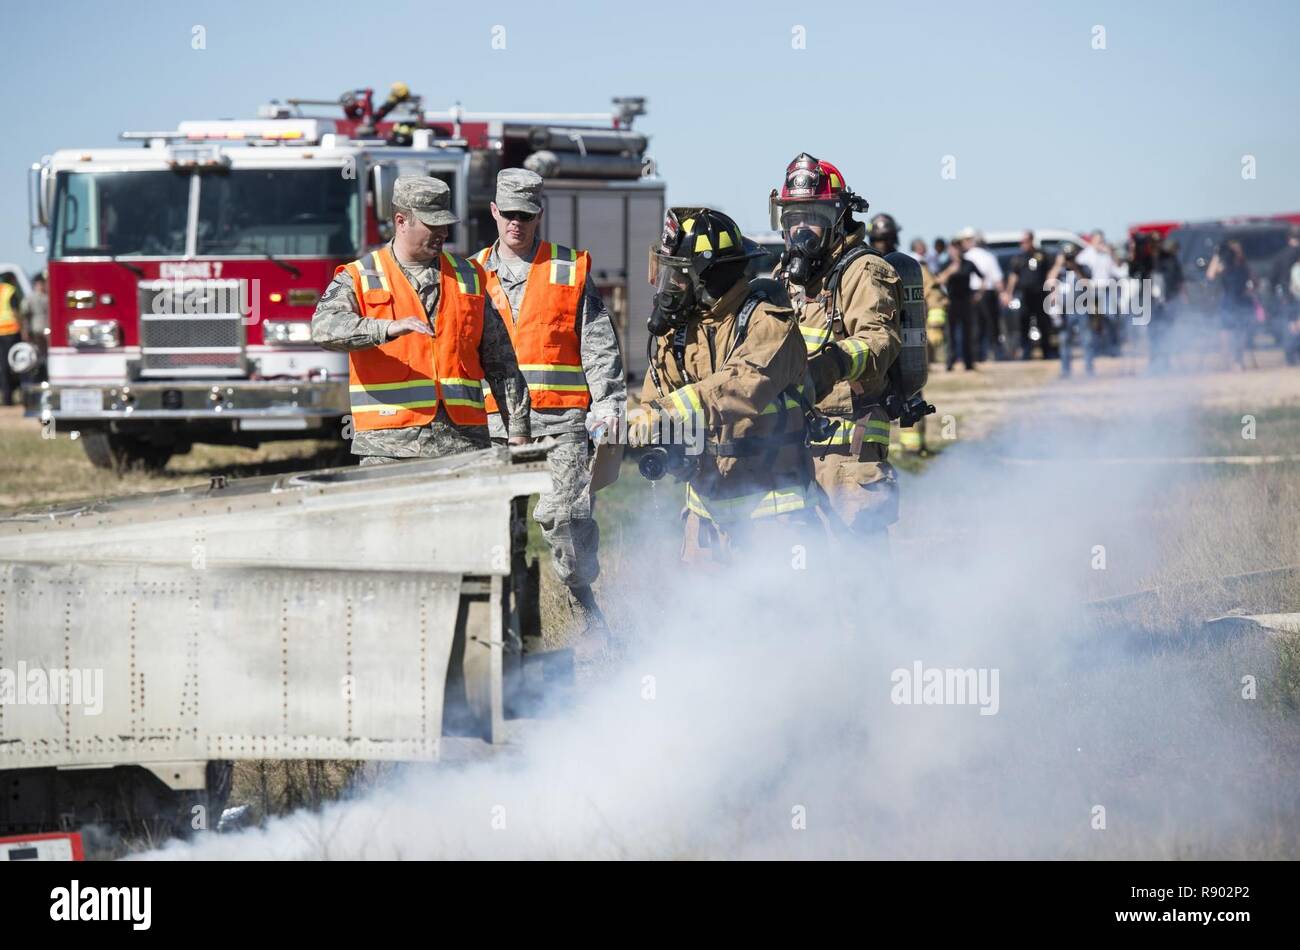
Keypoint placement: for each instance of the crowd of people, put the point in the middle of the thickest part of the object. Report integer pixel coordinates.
(1095, 297)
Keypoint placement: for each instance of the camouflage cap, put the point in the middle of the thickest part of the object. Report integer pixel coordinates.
(519, 190)
(429, 199)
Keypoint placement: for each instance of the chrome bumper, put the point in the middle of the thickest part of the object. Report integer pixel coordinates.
(257, 405)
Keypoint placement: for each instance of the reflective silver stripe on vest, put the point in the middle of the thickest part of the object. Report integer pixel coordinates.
(369, 267)
(455, 394)
(390, 395)
(564, 264)
(565, 379)
(466, 275)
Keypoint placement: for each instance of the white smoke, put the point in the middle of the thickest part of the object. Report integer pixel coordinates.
(754, 718)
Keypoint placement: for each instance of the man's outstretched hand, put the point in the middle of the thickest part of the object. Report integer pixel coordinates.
(407, 325)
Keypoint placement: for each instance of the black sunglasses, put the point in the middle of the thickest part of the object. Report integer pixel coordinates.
(524, 216)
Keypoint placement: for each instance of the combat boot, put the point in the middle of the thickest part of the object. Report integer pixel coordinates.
(590, 633)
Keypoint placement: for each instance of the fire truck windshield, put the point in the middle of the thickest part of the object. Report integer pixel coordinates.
(283, 212)
(303, 212)
(120, 213)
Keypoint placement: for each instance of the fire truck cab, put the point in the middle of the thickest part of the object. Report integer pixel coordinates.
(184, 270)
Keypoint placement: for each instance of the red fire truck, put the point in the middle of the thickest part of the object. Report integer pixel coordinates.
(184, 270)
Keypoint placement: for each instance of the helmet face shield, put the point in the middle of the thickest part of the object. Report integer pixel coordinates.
(817, 218)
(673, 283)
(699, 249)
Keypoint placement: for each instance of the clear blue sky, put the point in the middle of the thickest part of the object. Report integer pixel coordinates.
(1045, 130)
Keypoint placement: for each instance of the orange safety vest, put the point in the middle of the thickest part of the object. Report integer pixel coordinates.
(545, 333)
(401, 383)
(8, 318)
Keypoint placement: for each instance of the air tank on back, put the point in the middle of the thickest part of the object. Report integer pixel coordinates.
(913, 362)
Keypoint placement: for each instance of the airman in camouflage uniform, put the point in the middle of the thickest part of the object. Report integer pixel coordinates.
(338, 325)
(564, 513)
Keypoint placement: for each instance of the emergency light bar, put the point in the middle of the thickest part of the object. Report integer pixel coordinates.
(296, 131)
(287, 130)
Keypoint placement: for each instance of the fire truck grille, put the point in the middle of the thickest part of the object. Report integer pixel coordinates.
(192, 328)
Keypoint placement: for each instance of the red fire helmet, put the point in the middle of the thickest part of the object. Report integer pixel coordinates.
(813, 184)
(810, 179)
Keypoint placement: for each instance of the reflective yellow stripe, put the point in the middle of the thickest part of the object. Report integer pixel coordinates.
(409, 394)
(371, 387)
(686, 402)
(775, 404)
(815, 337)
(380, 407)
(936, 316)
(876, 430)
(466, 275)
(360, 271)
(763, 504)
(564, 269)
(857, 351)
(555, 377)
(842, 435)
(779, 501)
(383, 275)
(373, 397)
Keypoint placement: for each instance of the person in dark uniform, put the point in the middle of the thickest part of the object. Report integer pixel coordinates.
(1230, 270)
(961, 304)
(1028, 278)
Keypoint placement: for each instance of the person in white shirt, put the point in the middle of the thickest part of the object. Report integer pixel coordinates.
(1096, 256)
(987, 285)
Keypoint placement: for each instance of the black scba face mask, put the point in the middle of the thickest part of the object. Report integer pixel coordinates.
(807, 228)
(804, 257)
(669, 313)
(674, 300)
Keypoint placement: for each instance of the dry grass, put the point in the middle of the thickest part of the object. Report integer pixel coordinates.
(36, 471)
(274, 787)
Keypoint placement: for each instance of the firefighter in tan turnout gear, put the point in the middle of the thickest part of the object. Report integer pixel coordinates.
(849, 300)
(568, 352)
(725, 375)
